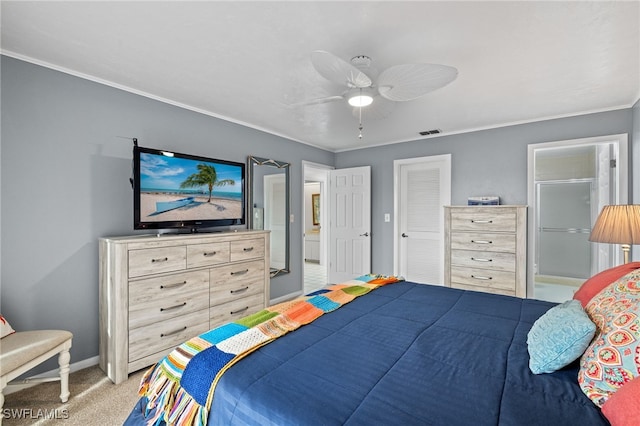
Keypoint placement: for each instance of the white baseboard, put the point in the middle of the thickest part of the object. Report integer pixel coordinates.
(285, 297)
(19, 385)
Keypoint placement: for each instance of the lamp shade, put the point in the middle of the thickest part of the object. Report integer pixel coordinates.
(617, 224)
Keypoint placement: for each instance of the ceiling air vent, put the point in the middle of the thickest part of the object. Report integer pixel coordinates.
(430, 132)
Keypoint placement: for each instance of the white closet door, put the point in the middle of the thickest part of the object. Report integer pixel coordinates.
(423, 188)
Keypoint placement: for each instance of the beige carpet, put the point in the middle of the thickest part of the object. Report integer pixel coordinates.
(94, 400)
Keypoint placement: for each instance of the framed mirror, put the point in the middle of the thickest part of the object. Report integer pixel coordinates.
(268, 202)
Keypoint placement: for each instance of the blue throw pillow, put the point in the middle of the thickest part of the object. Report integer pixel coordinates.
(559, 337)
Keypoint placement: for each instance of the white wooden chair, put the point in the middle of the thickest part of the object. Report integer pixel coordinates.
(23, 350)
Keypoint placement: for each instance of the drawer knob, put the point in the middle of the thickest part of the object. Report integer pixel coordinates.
(481, 221)
(246, 249)
(207, 254)
(239, 310)
(173, 307)
(174, 285)
(173, 332)
(481, 242)
(162, 259)
(244, 271)
(478, 259)
(480, 277)
(240, 290)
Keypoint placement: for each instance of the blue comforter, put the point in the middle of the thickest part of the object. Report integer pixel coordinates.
(405, 354)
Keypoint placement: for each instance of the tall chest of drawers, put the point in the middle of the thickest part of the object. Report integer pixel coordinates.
(485, 249)
(158, 291)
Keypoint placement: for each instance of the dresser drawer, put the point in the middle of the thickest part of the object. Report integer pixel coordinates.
(484, 220)
(236, 286)
(484, 260)
(207, 254)
(491, 279)
(159, 299)
(247, 249)
(230, 311)
(156, 260)
(157, 337)
(236, 277)
(481, 241)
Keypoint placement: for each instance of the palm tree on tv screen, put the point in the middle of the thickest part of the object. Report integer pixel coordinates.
(206, 176)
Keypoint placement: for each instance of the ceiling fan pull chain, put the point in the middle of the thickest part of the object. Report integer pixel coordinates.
(360, 128)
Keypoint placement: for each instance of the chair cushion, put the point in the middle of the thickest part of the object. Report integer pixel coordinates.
(19, 348)
(5, 327)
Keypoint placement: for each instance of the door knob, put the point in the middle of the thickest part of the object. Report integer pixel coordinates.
(404, 235)
(366, 234)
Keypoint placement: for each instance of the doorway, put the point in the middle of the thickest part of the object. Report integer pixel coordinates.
(314, 232)
(569, 184)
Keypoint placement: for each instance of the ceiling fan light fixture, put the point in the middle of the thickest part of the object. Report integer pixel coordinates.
(360, 100)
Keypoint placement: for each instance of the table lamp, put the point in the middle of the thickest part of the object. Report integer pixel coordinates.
(618, 224)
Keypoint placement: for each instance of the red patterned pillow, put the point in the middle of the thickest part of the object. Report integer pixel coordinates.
(595, 284)
(613, 357)
(623, 408)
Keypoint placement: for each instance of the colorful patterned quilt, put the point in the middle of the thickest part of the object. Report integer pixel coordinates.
(181, 387)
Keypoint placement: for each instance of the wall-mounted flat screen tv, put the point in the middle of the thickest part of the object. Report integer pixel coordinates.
(173, 190)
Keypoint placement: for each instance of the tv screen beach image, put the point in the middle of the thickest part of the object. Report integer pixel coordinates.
(180, 189)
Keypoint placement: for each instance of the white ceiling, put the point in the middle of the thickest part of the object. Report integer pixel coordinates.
(247, 62)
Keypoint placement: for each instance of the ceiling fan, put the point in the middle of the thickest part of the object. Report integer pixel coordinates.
(398, 83)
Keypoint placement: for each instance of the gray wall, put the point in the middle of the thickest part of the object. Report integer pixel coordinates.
(65, 168)
(66, 160)
(489, 162)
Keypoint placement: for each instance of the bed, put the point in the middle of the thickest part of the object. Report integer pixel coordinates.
(405, 353)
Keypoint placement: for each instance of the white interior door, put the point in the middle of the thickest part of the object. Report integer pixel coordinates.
(275, 217)
(350, 223)
(423, 187)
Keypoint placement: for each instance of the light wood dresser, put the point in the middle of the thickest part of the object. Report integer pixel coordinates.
(159, 291)
(485, 248)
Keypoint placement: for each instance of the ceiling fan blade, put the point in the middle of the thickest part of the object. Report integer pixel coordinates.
(380, 108)
(317, 101)
(338, 71)
(410, 81)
